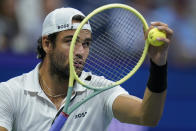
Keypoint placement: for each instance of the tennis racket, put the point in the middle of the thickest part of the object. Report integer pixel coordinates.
(117, 51)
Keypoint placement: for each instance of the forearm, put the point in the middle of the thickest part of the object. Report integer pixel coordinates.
(148, 111)
(154, 97)
(152, 107)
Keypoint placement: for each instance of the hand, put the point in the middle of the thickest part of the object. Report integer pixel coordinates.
(159, 54)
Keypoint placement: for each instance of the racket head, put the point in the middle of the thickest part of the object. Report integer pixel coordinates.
(138, 62)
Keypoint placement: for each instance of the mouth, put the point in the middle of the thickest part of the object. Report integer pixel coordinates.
(78, 64)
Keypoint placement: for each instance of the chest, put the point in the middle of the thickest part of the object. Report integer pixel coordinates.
(89, 116)
(36, 113)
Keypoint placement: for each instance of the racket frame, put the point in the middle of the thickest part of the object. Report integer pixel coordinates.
(73, 76)
(96, 11)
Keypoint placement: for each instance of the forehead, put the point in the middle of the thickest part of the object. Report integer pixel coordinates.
(83, 33)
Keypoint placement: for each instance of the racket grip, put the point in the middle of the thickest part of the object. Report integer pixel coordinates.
(59, 122)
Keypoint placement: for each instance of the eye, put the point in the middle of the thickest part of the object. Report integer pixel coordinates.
(86, 44)
(77, 40)
(67, 41)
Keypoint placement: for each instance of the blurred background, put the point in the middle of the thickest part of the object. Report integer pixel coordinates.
(21, 24)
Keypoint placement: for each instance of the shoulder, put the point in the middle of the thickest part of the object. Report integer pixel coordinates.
(16, 82)
(20, 83)
(94, 80)
(24, 81)
(10, 94)
(100, 82)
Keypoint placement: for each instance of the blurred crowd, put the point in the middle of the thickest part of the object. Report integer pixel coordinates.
(21, 23)
(180, 16)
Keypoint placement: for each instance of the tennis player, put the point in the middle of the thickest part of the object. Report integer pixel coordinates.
(31, 102)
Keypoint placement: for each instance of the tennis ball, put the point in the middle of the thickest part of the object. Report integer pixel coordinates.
(153, 35)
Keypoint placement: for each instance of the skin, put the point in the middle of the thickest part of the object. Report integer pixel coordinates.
(126, 108)
(57, 81)
(146, 111)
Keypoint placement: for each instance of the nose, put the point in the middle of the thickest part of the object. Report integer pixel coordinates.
(79, 49)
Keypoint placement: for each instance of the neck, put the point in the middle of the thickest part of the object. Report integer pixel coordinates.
(51, 84)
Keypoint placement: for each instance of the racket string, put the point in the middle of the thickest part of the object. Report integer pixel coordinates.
(115, 60)
(113, 53)
(122, 18)
(101, 21)
(118, 46)
(108, 57)
(116, 75)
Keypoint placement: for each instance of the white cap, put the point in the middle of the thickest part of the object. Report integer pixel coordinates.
(61, 19)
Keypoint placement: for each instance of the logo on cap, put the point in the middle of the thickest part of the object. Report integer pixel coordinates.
(63, 26)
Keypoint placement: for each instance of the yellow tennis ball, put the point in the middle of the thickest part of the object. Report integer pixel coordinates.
(153, 35)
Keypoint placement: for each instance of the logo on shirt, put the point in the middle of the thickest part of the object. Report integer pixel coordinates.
(80, 115)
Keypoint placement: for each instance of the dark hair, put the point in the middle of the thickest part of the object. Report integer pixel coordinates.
(52, 38)
(40, 51)
(78, 18)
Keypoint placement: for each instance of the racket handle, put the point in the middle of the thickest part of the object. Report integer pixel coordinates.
(59, 122)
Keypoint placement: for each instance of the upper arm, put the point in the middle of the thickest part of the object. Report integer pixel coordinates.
(6, 108)
(127, 108)
(146, 111)
(2, 129)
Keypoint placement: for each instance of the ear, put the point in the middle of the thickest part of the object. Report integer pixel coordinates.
(46, 44)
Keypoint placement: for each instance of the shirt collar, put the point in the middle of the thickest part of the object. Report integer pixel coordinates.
(32, 81)
(78, 87)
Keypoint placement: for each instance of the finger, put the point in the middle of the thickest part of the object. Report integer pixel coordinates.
(146, 32)
(168, 31)
(166, 40)
(158, 23)
(165, 29)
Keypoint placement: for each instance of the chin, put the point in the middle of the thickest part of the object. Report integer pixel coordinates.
(78, 72)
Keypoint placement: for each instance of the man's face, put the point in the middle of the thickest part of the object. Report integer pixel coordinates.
(59, 57)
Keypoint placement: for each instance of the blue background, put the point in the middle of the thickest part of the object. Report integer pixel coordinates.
(179, 113)
(180, 107)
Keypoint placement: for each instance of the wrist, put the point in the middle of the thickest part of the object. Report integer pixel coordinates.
(159, 61)
(157, 81)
